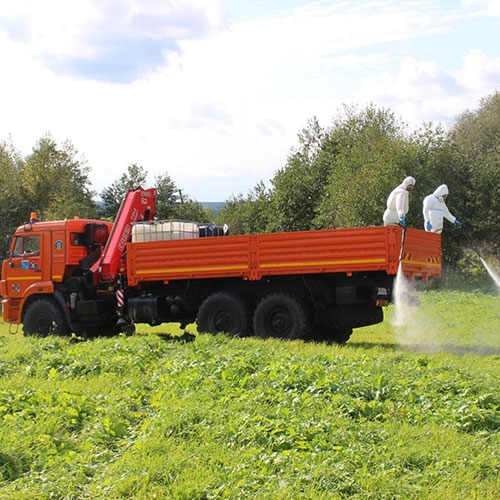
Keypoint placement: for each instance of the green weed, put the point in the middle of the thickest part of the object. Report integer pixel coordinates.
(151, 417)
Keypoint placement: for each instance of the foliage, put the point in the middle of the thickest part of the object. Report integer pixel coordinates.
(475, 139)
(51, 181)
(247, 215)
(188, 209)
(13, 206)
(365, 157)
(112, 196)
(341, 176)
(167, 198)
(148, 417)
(55, 183)
(171, 203)
(300, 184)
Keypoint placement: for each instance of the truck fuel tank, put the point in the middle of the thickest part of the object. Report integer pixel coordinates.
(145, 309)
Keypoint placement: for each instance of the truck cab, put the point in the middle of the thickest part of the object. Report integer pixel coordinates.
(47, 258)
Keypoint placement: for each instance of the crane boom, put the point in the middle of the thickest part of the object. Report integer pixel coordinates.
(137, 205)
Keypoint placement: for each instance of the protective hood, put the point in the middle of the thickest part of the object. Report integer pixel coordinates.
(441, 191)
(409, 181)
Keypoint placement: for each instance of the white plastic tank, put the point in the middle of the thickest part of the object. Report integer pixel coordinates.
(164, 230)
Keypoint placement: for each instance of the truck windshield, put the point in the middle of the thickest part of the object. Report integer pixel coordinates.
(26, 246)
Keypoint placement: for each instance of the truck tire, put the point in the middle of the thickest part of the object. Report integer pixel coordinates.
(44, 317)
(223, 312)
(282, 316)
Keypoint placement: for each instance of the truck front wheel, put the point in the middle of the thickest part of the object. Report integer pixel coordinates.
(44, 317)
(223, 312)
(282, 316)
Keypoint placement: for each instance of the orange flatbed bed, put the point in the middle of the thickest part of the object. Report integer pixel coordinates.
(252, 257)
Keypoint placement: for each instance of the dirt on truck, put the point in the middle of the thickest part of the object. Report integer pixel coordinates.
(92, 277)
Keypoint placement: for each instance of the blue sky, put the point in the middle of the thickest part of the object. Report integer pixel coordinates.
(214, 91)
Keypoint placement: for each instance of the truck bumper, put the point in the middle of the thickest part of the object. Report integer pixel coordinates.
(11, 311)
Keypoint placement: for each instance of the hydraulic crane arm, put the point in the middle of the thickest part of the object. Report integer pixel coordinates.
(138, 205)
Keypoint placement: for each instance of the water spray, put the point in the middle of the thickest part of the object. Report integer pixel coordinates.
(494, 276)
(401, 289)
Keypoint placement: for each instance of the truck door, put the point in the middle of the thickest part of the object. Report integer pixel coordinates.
(58, 249)
(25, 265)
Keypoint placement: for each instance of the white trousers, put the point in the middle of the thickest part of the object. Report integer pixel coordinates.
(391, 217)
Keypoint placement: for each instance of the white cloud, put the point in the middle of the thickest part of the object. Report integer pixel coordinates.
(485, 7)
(420, 90)
(219, 112)
(108, 40)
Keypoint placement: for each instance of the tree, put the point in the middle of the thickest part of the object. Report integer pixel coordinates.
(300, 184)
(55, 183)
(475, 142)
(167, 199)
(247, 215)
(112, 196)
(193, 211)
(189, 209)
(13, 208)
(364, 157)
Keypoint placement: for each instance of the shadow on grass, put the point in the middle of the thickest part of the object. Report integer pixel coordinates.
(185, 337)
(430, 348)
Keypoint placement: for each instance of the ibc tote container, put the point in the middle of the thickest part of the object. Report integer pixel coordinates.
(164, 230)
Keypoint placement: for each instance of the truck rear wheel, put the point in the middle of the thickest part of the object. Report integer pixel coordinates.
(223, 312)
(44, 317)
(282, 316)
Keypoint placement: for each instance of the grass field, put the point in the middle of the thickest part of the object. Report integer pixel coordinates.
(408, 414)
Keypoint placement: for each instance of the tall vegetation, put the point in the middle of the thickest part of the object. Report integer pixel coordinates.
(112, 196)
(170, 201)
(337, 176)
(12, 204)
(52, 181)
(341, 175)
(475, 143)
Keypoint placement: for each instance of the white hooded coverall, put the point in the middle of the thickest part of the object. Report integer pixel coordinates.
(398, 203)
(435, 209)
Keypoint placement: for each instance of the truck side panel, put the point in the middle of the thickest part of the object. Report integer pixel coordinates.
(339, 250)
(422, 254)
(306, 252)
(190, 258)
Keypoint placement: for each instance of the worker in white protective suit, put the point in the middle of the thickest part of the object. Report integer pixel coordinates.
(435, 209)
(398, 203)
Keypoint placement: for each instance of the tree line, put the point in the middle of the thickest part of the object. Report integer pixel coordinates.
(337, 176)
(53, 181)
(341, 176)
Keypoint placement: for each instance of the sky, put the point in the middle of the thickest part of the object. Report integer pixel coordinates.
(214, 92)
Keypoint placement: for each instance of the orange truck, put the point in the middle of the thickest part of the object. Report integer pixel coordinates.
(93, 277)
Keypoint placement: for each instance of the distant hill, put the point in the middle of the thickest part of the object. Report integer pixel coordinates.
(215, 206)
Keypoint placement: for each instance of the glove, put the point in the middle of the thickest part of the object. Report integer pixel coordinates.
(428, 226)
(402, 220)
(458, 223)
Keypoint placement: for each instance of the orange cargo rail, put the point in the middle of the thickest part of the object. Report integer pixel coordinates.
(252, 257)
